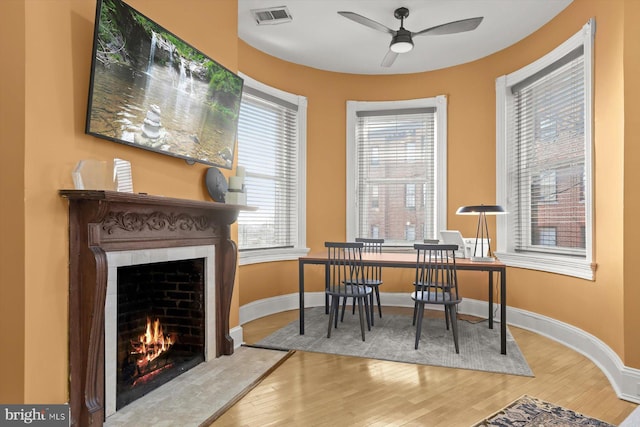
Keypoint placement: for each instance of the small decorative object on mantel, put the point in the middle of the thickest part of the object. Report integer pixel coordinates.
(122, 175)
(237, 191)
(90, 174)
(216, 184)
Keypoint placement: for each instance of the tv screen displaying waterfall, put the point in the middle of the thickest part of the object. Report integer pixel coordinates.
(152, 90)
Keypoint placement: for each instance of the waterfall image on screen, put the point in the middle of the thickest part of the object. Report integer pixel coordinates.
(152, 90)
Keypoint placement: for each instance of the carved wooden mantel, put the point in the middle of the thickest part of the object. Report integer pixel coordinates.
(105, 221)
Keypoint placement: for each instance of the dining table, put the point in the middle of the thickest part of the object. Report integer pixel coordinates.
(409, 260)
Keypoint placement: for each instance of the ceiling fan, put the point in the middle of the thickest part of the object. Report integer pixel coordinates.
(402, 39)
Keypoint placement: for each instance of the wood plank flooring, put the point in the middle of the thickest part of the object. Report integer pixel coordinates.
(312, 389)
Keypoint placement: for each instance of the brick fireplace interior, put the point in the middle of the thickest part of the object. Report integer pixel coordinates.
(160, 325)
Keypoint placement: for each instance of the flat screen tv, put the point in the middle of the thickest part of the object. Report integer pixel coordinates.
(152, 90)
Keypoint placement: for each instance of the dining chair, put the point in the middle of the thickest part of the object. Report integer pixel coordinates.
(372, 275)
(346, 279)
(436, 282)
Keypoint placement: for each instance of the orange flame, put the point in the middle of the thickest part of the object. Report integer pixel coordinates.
(152, 343)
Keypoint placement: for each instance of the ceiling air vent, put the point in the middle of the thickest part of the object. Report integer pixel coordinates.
(272, 15)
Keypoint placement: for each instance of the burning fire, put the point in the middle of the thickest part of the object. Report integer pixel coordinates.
(151, 344)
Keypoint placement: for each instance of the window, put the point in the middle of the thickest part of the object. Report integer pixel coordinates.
(271, 147)
(544, 161)
(408, 141)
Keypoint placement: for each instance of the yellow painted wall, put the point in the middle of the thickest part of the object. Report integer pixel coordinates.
(12, 239)
(46, 52)
(43, 107)
(631, 182)
(470, 89)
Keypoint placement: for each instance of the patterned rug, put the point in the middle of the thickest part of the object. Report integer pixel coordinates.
(531, 412)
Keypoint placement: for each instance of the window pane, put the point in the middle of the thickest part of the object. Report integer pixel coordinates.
(267, 144)
(548, 161)
(396, 159)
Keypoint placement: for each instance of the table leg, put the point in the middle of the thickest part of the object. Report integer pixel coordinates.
(301, 294)
(503, 311)
(490, 299)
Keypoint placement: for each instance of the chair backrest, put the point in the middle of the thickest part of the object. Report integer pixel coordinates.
(436, 273)
(345, 265)
(372, 246)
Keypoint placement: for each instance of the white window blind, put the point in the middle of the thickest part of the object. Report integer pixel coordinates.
(544, 160)
(547, 159)
(267, 148)
(395, 152)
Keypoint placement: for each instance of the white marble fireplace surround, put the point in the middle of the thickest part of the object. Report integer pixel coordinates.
(148, 256)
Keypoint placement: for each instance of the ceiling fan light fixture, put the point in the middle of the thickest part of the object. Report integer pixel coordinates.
(401, 42)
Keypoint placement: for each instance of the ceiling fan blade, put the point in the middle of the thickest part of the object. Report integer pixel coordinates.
(389, 58)
(451, 27)
(367, 22)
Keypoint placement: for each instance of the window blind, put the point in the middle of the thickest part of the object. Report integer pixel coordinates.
(546, 161)
(395, 152)
(267, 147)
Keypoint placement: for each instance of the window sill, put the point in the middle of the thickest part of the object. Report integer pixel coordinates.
(568, 266)
(271, 255)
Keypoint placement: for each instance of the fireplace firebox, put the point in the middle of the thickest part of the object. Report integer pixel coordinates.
(160, 324)
(107, 222)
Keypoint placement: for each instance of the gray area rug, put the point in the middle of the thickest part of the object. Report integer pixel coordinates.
(393, 337)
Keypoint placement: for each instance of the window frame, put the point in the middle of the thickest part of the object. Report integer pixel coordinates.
(582, 267)
(254, 256)
(440, 104)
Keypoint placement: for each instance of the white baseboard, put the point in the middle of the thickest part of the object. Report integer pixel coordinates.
(236, 334)
(624, 380)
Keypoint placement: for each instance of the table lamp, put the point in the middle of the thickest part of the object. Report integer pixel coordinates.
(483, 230)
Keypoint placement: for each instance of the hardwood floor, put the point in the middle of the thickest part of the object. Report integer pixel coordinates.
(312, 389)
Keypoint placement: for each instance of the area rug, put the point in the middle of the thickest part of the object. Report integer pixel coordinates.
(531, 412)
(393, 337)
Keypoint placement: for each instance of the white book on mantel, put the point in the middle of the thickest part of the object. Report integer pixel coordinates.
(122, 175)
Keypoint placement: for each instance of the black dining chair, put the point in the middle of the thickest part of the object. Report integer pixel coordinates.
(436, 282)
(372, 275)
(346, 280)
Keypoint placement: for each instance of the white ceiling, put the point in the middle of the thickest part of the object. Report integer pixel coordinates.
(320, 38)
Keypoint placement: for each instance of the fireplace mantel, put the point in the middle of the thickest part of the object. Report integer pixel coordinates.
(105, 221)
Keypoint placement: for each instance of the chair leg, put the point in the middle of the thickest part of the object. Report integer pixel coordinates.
(447, 314)
(369, 300)
(378, 299)
(453, 311)
(344, 304)
(420, 308)
(367, 311)
(415, 312)
(361, 315)
(333, 311)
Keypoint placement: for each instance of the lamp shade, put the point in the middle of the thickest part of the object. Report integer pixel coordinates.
(481, 209)
(401, 42)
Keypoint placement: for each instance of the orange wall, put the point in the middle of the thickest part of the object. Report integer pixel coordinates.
(44, 102)
(52, 71)
(470, 89)
(12, 240)
(631, 180)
